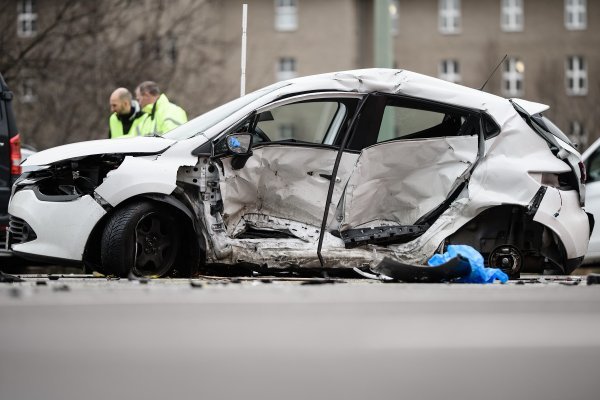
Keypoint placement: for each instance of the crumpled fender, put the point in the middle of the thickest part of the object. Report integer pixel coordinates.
(127, 181)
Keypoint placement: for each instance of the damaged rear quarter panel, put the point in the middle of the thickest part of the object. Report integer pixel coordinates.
(399, 181)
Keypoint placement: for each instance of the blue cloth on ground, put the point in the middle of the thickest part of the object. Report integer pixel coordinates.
(479, 273)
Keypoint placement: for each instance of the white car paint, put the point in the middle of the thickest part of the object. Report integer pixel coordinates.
(62, 228)
(592, 204)
(140, 175)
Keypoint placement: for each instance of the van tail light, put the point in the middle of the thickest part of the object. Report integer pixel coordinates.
(15, 155)
(583, 172)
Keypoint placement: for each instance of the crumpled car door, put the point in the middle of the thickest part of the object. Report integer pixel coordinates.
(282, 181)
(287, 176)
(397, 182)
(420, 152)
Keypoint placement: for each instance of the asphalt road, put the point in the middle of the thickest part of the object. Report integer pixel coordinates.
(90, 338)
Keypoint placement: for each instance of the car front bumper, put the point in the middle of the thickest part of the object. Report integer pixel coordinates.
(61, 228)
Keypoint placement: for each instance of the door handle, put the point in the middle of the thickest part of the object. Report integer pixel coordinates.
(329, 176)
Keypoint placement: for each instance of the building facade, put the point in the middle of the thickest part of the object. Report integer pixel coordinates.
(192, 49)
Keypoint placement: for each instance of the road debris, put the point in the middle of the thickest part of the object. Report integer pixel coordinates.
(455, 268)
(593, 279)
(135, 278)
(7, 278)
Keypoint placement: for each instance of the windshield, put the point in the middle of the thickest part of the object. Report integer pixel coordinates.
(210, 118)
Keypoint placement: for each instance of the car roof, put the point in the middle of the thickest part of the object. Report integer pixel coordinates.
(395, 81)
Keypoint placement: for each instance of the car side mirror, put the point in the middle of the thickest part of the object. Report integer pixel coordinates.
(239, 144)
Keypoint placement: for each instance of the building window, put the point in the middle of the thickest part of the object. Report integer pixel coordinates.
(575, 14)
(286, 15)
(577, 134)
(576, 76)
(512, 15)
(26, 18)
(512, 77)
(394, 9)
(449, 71)
(27, 89)
(449, 16)
(286, 68)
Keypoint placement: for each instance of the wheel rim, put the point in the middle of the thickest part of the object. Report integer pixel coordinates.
(508, 258)
(155, 245)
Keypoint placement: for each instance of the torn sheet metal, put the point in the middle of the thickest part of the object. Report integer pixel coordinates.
(304, 232)
(286, 253)
(398, 182)
(382, 235)
(284, 182)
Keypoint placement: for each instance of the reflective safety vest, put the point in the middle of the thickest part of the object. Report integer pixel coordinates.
(160, 117)
(116, 125)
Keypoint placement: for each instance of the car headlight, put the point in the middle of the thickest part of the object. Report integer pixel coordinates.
(68, 179)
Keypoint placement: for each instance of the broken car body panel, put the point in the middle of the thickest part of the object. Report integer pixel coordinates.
(285, 182)
(399, 181)
(267, 208)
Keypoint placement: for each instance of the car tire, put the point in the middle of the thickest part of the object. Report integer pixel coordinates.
(140, 239)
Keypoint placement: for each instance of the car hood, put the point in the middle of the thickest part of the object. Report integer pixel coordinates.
(138, 145)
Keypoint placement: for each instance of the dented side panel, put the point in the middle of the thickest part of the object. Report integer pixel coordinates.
(397, 182)
(289, 182)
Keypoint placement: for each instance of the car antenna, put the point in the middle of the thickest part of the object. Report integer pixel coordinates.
(494, 71)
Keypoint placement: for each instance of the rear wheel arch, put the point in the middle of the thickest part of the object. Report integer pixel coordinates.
(512, 225)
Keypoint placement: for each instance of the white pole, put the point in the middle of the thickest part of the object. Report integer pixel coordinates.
(244, 24)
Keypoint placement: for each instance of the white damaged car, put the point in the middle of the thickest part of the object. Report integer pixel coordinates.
(328, 171)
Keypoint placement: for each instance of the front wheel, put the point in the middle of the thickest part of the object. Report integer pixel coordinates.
(141, 238)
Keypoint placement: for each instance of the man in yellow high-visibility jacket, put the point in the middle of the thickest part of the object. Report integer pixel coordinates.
(125, 115)
(160, 115)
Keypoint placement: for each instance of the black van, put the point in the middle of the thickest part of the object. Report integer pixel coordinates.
(10, 154)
